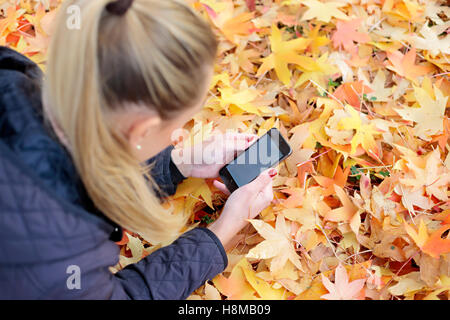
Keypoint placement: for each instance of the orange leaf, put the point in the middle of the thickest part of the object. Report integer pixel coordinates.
(346, 35)
(344, 213)
(124, 239)
(435, 246)
(351, 92)
(405, 65)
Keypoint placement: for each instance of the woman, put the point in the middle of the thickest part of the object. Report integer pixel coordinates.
(71, 163)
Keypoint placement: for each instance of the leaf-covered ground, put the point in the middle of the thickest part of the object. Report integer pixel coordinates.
(360, 88)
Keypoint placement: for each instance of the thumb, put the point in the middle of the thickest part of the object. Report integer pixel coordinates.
(221, 187)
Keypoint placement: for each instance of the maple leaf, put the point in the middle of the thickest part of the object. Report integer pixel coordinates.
(340, 60)
(420, 237)
(346, 34)
(445, 286)
(323, 11)
(242, 59)
(379, 92)
(405, 65)
(365, 132)
(240, 98)
(317, 40)
(429, 173)
(239, 25)
(406, 10)
(283, 53)
(263, 289)
(352, 93)
(436, 243)
(306, 215)
(412, 198)
(406, 284)
(11, 22)
(35, 19)
(430, 116)
(299, 154)
(276, 246)
(444, 137)
(192, 189)
(339, 179)
(392, 33)
(211, 293)
(329, 139)
(342, 289)
(317, 70)
(37, 44)
(235, 287)
(137, 249)
(348, 212)
(338, 135)
(223, 16)
(431, 40)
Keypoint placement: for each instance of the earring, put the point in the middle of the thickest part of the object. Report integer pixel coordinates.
(138, 147)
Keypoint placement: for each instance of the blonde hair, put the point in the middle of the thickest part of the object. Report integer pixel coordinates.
(153, 55)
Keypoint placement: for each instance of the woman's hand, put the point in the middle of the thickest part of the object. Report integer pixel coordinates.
(206, 159)
(244, 203)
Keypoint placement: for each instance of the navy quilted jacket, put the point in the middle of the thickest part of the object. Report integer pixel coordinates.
(48, 223)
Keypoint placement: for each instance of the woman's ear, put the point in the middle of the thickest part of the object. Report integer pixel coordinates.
(141, 128)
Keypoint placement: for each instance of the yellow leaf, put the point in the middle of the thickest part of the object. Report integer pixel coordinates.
(317, 70)
(277, 245)
(419, 237)
(264, 290)
(194, 188)
(235, 287)
(365, 132)
(283, 53)
(323, 11)
(429, 117)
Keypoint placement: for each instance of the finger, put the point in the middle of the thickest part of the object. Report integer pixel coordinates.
(234, 146)
(248, 137)
(268, 192)
(262, 200)
(221, 187)
(265, 196)
(251, 138)
(262, 180)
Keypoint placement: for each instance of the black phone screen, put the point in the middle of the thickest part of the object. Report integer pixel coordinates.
(270, 149)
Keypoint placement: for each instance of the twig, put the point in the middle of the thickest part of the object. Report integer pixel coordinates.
(332, 247)
(312, 159)
(330, 94)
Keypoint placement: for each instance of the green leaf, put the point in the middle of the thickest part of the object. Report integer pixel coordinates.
(384, 173)
(355, 172)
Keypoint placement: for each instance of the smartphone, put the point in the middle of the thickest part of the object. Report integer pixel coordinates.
(266, 152)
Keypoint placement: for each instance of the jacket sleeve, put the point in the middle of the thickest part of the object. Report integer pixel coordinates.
(165, 173)
(175, 271)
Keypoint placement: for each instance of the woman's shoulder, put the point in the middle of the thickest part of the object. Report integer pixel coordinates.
(27, 139)
(23, 128)
(11, 60)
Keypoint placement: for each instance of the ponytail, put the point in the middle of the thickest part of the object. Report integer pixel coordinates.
(115, 59)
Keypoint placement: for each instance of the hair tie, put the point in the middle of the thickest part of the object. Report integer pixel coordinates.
(119, 7)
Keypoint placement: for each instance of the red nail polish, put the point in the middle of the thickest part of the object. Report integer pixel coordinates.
(273, 173)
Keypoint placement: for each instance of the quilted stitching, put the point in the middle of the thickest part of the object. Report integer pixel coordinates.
(47, 222)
